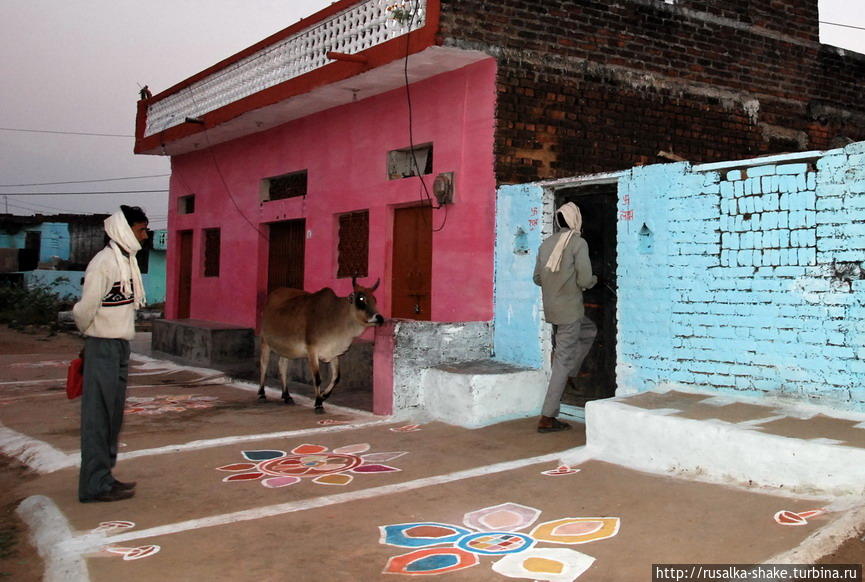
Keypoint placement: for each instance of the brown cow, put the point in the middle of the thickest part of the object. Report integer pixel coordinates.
(316, 326)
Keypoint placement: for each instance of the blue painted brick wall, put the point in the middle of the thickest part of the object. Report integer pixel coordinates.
(754, 281)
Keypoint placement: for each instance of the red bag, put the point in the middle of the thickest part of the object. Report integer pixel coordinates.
(75, 378)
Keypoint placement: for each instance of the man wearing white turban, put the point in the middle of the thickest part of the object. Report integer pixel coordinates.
(563, 271)
(112, 291)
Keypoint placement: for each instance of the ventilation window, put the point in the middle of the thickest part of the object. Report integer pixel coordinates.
(353, 250)
(286, 186)
(406, 162)
(186, 204)
(211, 252)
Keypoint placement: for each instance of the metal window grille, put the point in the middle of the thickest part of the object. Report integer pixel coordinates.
(353, 250)
(211, 252)
(287, 186)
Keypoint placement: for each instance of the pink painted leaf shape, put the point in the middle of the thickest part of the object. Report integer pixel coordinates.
(275, 482)
(374, 468)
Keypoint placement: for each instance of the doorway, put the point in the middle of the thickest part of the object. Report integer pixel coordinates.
(285, 260)
(184, 279)
(597, 378)
(411, 284)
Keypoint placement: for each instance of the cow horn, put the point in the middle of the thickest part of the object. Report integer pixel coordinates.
(375, 285)
(353, 281)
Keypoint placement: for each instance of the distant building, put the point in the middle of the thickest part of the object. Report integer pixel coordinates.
(55, 249)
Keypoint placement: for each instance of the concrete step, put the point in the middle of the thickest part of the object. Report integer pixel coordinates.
(482, 392)
(721, 438)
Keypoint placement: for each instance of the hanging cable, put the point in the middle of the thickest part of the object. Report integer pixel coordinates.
(64, 132)
(417, 169)
(83, 181)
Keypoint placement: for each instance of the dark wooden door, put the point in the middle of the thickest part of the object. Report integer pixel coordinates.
(597, 378)
(285, 262)
(412, 263)
(184, 276)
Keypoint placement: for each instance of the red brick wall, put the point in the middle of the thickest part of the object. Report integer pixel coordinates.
(589, 86)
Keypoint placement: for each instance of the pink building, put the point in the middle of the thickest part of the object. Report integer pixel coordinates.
(291, 166)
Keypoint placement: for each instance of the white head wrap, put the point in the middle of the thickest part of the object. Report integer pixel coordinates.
(122, 237)
(574, 221)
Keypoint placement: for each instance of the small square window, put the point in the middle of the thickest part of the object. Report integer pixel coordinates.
(410, 162)
(286, 186)
(186, 204)
(353, 249)
(211, 252)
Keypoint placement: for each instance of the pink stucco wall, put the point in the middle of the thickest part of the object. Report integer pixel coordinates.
(344, 150)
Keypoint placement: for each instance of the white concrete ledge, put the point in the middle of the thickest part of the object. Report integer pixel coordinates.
(655, 441)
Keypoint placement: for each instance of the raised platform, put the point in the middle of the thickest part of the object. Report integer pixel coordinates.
(208, 344)
(482, 392)
(722, 438)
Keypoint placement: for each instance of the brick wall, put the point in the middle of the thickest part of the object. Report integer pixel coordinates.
(589, 86)
(745, 278)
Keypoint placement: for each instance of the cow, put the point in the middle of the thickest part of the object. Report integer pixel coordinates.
(317, 326)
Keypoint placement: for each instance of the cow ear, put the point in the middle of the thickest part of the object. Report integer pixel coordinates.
(375, 285)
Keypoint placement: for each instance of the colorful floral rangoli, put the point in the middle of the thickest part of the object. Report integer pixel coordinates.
(314, 462)
(150, 405)
(438, 548)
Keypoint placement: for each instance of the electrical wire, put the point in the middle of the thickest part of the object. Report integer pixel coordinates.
(83, 181)
(844, 25)
(418, 171)
(80, 193)
(64, 132)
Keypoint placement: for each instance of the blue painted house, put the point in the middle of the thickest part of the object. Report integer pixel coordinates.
(743, 277)
(55, 250)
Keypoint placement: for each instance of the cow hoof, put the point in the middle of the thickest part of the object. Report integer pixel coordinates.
(262, 398)
(319, 409)
(289, 401)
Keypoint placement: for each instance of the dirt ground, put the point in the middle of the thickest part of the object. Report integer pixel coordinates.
(182, 485)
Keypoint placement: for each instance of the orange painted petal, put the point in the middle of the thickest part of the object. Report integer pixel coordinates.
(308, 449)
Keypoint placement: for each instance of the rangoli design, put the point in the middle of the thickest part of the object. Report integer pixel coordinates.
(787, 517)
(560, 470)
(406, 428)
(438, 548)
(151, 405)
(314, 462)
(127, 553)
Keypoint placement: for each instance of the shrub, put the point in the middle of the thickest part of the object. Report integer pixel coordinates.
(36, 304)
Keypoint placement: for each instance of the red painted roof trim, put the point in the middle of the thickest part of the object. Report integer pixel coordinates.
(376, 56)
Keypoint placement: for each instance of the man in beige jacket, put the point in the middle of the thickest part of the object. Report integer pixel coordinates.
(563, 271)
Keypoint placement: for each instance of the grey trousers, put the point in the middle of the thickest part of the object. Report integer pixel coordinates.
(106, 370)
(571, 344)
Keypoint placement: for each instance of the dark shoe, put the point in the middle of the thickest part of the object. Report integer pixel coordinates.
(115, 494)
(128, 486)
(555, 425)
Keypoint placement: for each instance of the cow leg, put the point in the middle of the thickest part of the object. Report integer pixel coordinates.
(315, 372)
(334, 378)
(283, 375)
(263, 363)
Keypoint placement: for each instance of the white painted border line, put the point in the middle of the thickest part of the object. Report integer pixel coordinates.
(210, 443)
(85, 545)
(36, 454)
(51, 534)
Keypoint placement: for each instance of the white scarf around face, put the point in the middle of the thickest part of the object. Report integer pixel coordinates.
(123, 239)
(572, 217)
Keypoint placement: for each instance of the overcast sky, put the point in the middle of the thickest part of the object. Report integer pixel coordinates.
(76, 66)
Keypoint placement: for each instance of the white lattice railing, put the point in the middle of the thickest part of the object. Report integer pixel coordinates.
(351, 31)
